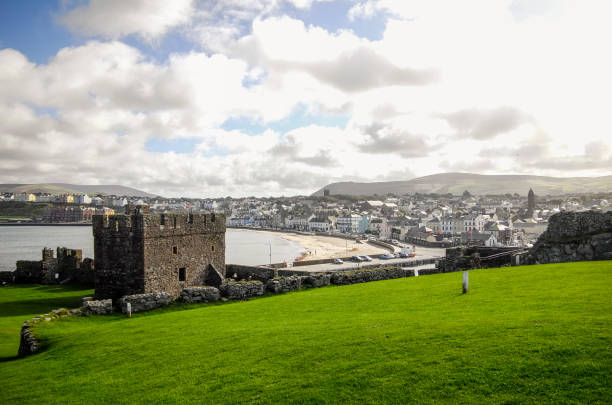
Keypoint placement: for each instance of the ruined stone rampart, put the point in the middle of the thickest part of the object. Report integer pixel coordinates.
(98, 307)
(574, 236)
(28, 271)
(284, 284)
(364, 276)
(242, 272)
(200, 294)
(28, 343)
(144, 302)
(7, 277)
(68, 266)
(241, 290)
(316, 280)
(476, 257)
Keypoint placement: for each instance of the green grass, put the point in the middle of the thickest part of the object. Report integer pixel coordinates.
(528, 334)
(19, 303)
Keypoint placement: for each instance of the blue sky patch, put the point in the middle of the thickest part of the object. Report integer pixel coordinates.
(299, 118)
(333, 16)
(29, 27)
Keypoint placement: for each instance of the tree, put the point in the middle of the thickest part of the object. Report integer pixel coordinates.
(466, 194)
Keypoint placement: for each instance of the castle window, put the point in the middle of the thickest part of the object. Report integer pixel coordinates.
(163, 219)
(212, 217)
(190, 218)
(182, 274)
(174, 222)
(174, 250)
(212, 248)
(116, 226)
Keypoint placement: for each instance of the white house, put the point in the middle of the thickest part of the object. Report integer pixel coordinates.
(320, 224)
(348, 223)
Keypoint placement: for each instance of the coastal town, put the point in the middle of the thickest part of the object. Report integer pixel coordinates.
(435, 220)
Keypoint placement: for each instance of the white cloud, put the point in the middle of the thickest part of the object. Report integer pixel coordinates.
(114, 19)
(493, 86)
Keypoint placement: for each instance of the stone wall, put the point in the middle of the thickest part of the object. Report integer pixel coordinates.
(475, 257)
(364, 276)
(241, 272)
(98, 307)
(28, 272)
(7, 277)
(144, 302)
(28, 343)
(241, 290)
(316, 280)
(284, 284)
(200, 294)
(574, 236)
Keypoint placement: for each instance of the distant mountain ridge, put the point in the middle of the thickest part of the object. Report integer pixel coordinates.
(66, 188)
(479, 184)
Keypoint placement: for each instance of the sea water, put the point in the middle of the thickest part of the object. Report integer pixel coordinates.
(241, 246)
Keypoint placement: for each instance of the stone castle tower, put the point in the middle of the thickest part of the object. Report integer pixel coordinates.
(530, 202)
(138, 252)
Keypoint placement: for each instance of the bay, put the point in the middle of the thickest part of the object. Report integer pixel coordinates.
(242, 246)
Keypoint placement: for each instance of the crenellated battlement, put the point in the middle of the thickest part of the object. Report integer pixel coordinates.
(176, 224)
(152, 225)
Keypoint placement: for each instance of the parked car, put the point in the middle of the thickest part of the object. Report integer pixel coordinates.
(403, 255)
(356, 259)
(338, 261)
(367, 258)
(386, 256)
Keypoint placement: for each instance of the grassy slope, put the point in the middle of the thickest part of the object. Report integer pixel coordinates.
(522, 334)
(21, 302)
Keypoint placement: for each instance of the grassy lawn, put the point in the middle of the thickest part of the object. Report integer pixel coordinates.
(19, 303)
(521, 335)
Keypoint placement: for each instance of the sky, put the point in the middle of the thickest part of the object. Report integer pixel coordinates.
(200, 98)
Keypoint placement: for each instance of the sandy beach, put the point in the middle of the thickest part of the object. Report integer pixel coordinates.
(326, 247)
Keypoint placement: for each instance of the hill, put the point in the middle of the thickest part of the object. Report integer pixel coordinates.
(66, 188)
(479, 184)
(532, 334)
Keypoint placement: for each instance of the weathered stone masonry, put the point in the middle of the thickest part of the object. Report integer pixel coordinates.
(138, 252)
(574, 236)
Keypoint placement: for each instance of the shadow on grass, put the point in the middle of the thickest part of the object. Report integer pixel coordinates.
(46, 289)
(7, 359)
(37, 305)
(49, 289)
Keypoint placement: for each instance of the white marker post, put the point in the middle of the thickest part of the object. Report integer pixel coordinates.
(128, 309)
(466, 281)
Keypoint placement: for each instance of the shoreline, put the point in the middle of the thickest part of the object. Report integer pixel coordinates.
(317, 247)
